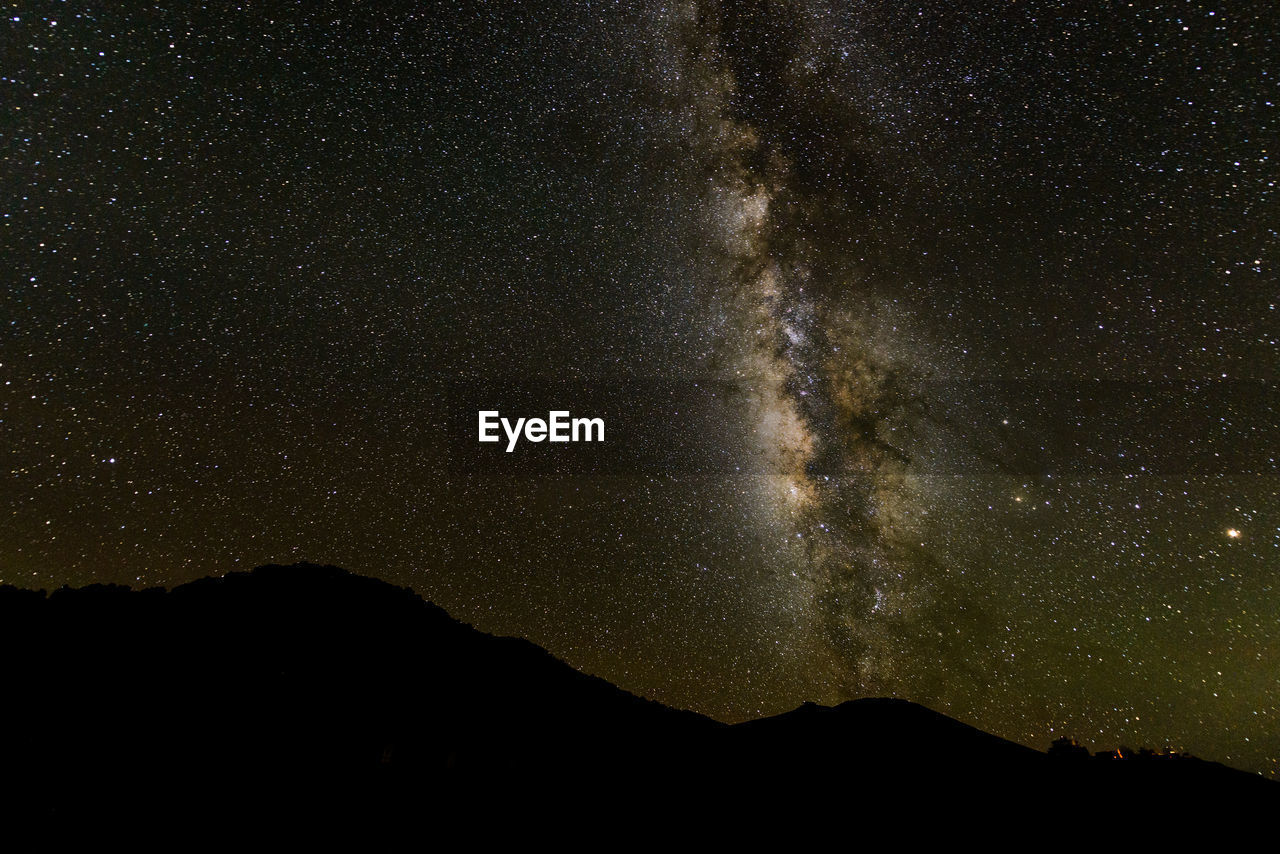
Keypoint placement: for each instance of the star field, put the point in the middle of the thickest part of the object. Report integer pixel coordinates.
(937, 343)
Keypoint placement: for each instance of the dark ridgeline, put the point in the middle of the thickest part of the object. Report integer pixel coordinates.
(308, 694)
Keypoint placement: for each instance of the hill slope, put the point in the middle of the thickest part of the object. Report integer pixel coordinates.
(291, 687)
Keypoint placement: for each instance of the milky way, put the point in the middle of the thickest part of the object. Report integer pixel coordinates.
(827, 384)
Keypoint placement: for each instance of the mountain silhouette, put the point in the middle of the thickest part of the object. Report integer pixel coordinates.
(304, 692)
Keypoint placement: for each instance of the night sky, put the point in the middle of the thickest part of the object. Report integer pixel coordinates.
(936, 342)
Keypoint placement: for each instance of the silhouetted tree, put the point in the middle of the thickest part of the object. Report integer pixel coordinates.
(1068, 748)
